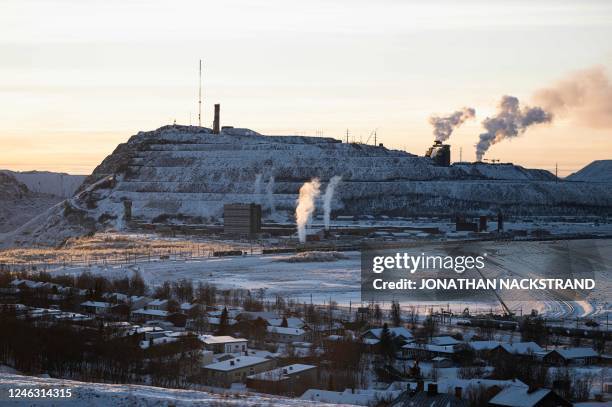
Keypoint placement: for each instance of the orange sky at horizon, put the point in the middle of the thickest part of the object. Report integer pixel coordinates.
(78, 79)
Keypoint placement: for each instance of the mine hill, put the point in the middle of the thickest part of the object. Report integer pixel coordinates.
(186, 173)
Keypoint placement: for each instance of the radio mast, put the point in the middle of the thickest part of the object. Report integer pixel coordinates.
(200, 98)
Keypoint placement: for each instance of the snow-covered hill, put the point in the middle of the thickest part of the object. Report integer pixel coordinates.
(54, 183)
(186, 174)
(100, 394)
(597, 171)
(18, 204)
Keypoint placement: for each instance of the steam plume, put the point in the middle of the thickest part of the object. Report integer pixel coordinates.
(327, 198)
(306, 206)
(257, 188)
(270, 194)
(584, 96)
(510, 121)
(444, 126)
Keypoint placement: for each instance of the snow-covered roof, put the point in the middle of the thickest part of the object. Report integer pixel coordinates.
(186, 306)
(397, 331)
(157, 302)
(285, 331)
(281, 372)
(522, 348)
(151, 312)
(236, 363)
(95, 304)
(576, 353)
(446, 385)
(519, 397)
(361, 397)
(484, 345)
(430, 348)
(292, 322)
(444, 341)
(212, 340)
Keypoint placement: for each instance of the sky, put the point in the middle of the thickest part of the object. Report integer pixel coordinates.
(79, 77)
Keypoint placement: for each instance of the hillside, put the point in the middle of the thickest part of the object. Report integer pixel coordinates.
(597, 171)
(185, 174)
(101, 394)
(45, 182)
(18, 204)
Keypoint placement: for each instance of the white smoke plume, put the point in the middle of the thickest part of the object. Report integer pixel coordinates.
(257, 188)
(510, 121)
(444, 125)
(583, 96)
(327, 198)
(270, 194)
(309, 192)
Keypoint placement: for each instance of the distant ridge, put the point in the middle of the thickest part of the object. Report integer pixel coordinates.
(597, 171)
(47, 182)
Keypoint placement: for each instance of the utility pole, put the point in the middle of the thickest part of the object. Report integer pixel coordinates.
(200, 98)
(460, 154)
(556, 172)
(347, 136)
(375, 143)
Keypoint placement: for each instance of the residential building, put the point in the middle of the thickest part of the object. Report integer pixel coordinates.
(288, 380)
(234, 370)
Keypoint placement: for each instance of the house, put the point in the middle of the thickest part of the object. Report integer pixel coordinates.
(157, 304)
(265, 315)
(285, 335)
(292, 322)
(571, 356)
(430, 398)
(95, 307)
(444, 341)
(224, 344)
(524, 397)
(234, 370)
(426, 351)
(521, 349)
(442, 362)
(288, 380)
(138, 301)
(149, 314)
(398, 331)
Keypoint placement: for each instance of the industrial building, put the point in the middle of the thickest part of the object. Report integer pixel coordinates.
(242, 219)
(439, 153)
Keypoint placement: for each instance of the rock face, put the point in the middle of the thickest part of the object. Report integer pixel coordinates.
(18, 204)
(184, 174)
(597, 171)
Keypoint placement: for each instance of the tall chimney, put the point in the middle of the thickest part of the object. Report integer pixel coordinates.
(216, 125)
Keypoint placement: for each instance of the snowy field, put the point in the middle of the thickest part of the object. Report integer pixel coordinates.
(124, 395)
(340, 280)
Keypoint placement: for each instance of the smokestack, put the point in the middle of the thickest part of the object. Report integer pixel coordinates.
(306, 206)
(327, 198)
(216, 123)
(510, 121)
(444, 125)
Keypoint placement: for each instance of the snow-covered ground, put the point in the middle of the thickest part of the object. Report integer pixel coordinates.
(54, 183)
(340, 280)
(120, 395)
